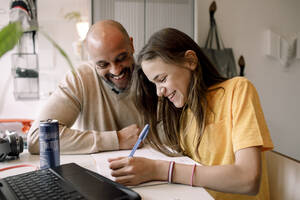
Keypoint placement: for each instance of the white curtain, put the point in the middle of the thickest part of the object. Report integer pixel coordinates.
(142, 18)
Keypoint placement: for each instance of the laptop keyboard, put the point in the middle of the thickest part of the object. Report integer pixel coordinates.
(41, 184)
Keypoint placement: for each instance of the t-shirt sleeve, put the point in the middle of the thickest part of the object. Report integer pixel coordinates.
(249, 125)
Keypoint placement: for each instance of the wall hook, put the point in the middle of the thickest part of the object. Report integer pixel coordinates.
(212, 9)
(242, 65)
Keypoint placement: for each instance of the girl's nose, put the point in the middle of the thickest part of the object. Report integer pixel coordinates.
(160, 91)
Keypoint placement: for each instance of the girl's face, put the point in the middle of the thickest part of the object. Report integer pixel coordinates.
(171, 81)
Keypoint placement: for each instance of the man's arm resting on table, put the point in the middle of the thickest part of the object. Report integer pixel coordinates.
(81, 142)
(77, 142)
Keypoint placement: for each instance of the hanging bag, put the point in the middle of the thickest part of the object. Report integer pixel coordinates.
(221, 57)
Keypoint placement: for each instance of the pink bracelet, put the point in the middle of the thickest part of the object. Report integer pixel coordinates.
(193, 172)
(170, 171)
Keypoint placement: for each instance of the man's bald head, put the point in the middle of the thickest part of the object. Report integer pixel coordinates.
(105, 24)
(105, 31)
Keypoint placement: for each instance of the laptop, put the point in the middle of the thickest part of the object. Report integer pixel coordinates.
(68, 181)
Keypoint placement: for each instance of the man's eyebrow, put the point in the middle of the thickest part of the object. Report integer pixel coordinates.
(122, 54)
(117, 57)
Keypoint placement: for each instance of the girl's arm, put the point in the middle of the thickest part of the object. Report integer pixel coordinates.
(241, 177)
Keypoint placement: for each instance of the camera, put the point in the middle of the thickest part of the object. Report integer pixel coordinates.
(11, 145)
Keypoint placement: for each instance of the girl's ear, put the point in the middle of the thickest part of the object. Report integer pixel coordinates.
(191, 59)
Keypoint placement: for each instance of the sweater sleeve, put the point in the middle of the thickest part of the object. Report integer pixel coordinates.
(65, 105)
(76, 142)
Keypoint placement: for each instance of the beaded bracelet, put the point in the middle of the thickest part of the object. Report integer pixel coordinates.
(193, 172)
(170, 171)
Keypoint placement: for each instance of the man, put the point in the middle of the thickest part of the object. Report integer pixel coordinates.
(97, 96)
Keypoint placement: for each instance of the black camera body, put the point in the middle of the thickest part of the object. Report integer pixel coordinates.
(11, 145)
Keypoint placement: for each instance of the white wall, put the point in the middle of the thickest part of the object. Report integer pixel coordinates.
(8, 107)
(52, 65)
(242, 25)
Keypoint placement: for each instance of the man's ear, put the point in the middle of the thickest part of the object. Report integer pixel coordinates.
(191, 59)
(131, 44)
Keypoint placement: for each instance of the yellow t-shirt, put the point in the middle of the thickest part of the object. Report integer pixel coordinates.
(238, 122)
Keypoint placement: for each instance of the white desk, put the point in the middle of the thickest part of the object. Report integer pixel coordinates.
(153, 192)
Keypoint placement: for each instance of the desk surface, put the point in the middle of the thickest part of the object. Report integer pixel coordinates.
(150, 192)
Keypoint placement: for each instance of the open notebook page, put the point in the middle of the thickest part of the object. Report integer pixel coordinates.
(147, 152)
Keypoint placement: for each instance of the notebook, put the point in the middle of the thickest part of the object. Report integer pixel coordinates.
(68, 181)
(147, 152)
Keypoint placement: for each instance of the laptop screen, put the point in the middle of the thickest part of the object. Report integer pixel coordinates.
(68, 181)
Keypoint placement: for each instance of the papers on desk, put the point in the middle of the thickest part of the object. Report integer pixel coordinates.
(147, 152)
(155, 189)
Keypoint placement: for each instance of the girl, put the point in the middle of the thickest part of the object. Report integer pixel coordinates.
(217, 122)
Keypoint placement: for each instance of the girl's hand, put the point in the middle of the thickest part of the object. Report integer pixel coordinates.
(132, 170)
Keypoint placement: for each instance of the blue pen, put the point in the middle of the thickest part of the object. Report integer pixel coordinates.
(142, 136)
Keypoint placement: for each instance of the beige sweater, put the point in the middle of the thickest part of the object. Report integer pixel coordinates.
(84, 98)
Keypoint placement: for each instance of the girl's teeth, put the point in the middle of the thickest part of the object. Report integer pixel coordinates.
(171, 95)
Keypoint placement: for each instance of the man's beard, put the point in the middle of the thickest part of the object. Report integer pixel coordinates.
(128, 75)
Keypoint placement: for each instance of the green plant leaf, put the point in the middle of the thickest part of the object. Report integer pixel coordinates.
(11, 34)
(73, 16)
(9, 37)
(61, 51)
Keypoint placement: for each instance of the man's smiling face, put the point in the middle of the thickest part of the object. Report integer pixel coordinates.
(112, 53)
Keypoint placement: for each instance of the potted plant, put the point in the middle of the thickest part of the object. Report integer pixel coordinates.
(11, 34)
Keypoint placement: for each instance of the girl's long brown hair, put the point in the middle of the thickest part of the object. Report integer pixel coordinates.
(170, 45)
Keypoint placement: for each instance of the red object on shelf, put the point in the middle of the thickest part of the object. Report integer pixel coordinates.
(26, 123)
